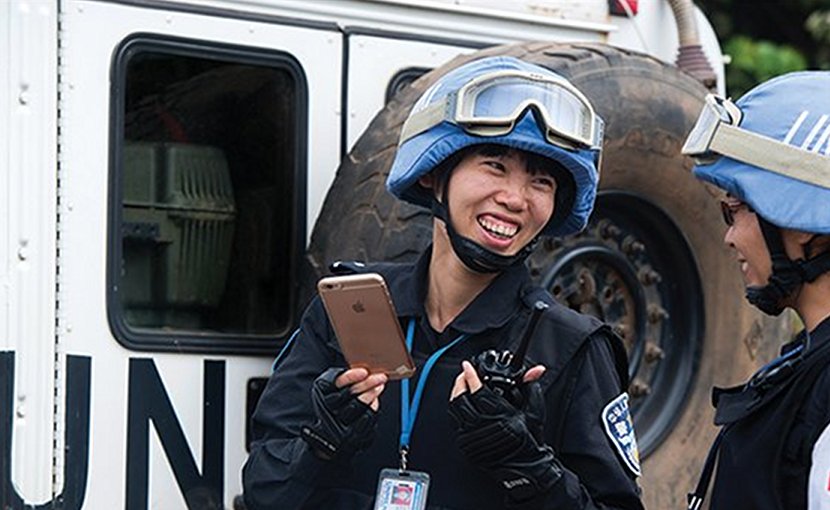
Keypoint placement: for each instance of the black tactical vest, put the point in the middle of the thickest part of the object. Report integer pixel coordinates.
(758, 420)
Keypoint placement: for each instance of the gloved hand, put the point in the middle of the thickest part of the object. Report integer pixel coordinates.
(507, 442)
(344, 425)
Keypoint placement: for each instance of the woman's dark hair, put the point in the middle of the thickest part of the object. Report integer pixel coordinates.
(565, 195)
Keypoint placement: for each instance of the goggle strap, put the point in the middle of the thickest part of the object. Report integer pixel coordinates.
(772, 155)
(429, 117)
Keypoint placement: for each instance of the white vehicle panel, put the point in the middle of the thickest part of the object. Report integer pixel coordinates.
(91, 31)
(27, 277)
(6, 22)
(57, 116)
(446, 18)
(373, 62)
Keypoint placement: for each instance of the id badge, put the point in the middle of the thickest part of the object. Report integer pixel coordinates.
(402, 490)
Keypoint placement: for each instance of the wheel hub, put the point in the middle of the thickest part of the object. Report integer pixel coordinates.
(614, 271)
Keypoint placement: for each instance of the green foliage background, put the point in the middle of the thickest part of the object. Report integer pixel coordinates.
(765, 38)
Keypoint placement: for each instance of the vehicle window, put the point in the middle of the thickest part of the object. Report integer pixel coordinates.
(208, 194)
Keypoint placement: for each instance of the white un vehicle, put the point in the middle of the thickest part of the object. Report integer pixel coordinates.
(170, 190)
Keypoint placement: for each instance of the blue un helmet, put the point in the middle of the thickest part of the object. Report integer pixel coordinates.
(771, 150)
(508, 102)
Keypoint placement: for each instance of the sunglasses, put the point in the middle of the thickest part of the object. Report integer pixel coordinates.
(728, 211)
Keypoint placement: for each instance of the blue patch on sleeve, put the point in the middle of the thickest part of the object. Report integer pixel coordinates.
(616, 417)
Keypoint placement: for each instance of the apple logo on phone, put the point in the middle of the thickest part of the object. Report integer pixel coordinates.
(358, 306)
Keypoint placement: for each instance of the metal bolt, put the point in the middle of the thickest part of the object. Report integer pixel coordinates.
(621, 330)
(653, 352)
(656, 313)
(639, 388)
(631, 245)
(587, 287)
(23, 250)
(649, 276)
(607, 229)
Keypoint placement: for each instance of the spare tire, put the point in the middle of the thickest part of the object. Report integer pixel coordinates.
(651, 262)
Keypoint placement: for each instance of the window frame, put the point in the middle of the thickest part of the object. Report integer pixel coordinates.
(188, 341)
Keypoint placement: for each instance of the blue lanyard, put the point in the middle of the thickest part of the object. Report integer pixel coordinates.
(409, 410)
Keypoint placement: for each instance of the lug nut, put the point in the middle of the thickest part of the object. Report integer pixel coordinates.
(586, 287)
(638, 388)
(607, 229)
(631, 245)
(656, 313)
(653, 352)
(649, 276)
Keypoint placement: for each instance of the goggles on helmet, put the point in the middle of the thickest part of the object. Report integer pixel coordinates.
(717, 133)
(491, 104)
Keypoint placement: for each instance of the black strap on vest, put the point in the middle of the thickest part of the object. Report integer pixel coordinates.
(695, 499)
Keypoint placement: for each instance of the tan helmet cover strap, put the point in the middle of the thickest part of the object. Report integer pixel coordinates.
(772, 155)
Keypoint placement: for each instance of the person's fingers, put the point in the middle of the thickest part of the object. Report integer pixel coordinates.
(471, 377)
(370, 396)
(534, 373)
(368, 383)
(459, 387)
(351, 376)
(375, 404)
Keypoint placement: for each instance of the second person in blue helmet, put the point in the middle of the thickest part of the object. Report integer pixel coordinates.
(770, 154)
(503, 152)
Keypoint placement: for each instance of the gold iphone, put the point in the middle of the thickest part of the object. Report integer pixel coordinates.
(364, 320)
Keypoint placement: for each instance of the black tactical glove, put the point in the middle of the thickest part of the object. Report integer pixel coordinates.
(344, 424)
(507, 442)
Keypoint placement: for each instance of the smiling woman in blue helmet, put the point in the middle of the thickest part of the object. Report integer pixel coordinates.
(503, 152)
(770, 153)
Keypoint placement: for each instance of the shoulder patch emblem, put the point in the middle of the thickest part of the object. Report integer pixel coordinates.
(616, 417)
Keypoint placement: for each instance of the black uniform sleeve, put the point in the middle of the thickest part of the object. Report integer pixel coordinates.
(281, 470)
(595, 476)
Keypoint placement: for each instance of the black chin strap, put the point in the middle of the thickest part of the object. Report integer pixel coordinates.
(816, 266)
(784, 279)
(787, 275)
(472, 254)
